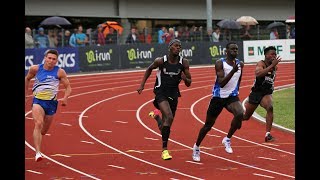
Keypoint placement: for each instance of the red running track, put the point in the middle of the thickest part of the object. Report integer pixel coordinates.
(105, 133)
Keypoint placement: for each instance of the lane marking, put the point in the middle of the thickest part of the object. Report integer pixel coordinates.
(87, 142)
(123, 122)
(61, 155)
(119, 167)
(65, 124)
(213, 135)
(36, 172)
(135, 151)
(194, 162)
(153, 139)
(267, 158)
(263, 175)
(103, 130)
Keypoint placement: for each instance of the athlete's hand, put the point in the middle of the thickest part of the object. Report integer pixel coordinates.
(235, 67)
(64, 101)
(276, 60)
(140, 89)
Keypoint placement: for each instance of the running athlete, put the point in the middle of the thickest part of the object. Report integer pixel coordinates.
(45, 89)
(171, 69)
(224, 95)
(262, 89)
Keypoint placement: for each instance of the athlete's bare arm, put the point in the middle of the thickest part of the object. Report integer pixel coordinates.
(186, 76)
(31, 74)
(155, 64)
(65, 81)
(223, 80)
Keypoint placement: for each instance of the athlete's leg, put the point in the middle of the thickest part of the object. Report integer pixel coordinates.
(250, 105)
(46, 124)
(167, 118)
(237, 110)
(267, 104)
(38, 117)
(213, 111)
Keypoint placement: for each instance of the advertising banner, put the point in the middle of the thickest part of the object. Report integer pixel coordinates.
(67, 58)
(253, 50)
(98, 58)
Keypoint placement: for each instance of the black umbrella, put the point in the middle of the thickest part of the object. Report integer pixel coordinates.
(55, 20)
(229, 24)
(275, 24)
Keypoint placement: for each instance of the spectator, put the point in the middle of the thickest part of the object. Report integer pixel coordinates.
(41, 39)
(101, 41)
(274, 34)
(132, 38)
(245, 35)
(216, 35)
(29, 42)
(160, 34)
(72, 40)
(145, 36)
(81, 38)
(112, 36)
(208, 37)
(53, 39)
(168, 36)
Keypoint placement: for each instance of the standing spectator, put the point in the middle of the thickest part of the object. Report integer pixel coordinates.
(53, 39)
(168, 36)
(208, 36)
(186, 34)
(112, 36)
(101, 41)
(29, 42)
(67, 34)
(160, 34)
(41, 39)
(132, 38)
(72, 40)
(145, 36)
(81, 38)
(274, 34)
(216, 35)
(245, 35)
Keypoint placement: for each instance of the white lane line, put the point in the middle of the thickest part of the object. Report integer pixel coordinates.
(123, 122)
(29, 118)
(135, 151)
(119, 151)
(36, 172)
(194, 162)
(263, 175)
(88, 142)
(213, 135)
(61, 155)
(65, 124)
(48, 134)
(119, 167)
(203, 147)
(105, 130)
(153, 139)
(267, 158)
(134, 110)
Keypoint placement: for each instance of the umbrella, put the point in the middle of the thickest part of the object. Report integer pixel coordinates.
(111, 24)
(55, 20)
(229, 24)
(275, 24)
(291, 19)
(247, 20)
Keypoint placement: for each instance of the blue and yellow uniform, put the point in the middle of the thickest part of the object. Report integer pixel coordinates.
(45, 89)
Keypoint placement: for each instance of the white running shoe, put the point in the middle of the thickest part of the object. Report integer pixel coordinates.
(227, 144)
(196, 153)
(38, 157)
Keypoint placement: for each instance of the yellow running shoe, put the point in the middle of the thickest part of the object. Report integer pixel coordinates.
(154, 113)
(165, 155)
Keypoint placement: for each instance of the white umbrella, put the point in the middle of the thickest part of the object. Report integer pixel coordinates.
(247, 20)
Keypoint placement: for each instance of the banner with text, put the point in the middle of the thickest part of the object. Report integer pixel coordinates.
(253, 50)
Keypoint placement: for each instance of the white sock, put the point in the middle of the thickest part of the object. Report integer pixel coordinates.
(267, 133)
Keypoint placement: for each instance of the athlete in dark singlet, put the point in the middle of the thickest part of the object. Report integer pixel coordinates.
(171, 69)
(261, 92)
